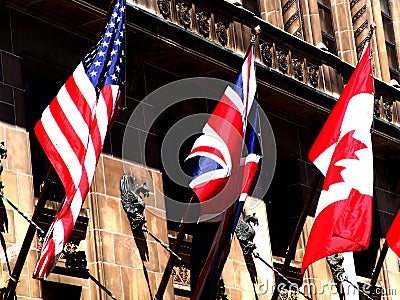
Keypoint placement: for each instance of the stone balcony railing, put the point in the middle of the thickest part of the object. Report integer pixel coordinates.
(229, 26)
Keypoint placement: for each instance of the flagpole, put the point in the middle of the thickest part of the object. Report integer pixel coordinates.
(381, 259)
(299, 228)
(172, 258)
(19, 264)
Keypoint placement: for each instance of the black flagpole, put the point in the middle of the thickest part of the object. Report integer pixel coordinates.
(19, 264)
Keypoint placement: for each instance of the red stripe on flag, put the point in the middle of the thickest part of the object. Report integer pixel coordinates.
(79, 100)
(208, 149)
(54, 158)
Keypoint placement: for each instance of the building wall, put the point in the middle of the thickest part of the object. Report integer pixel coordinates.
(132, 266)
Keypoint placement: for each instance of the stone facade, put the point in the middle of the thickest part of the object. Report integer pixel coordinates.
(169, 40)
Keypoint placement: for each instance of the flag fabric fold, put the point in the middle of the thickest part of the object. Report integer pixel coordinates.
(73, 127)
(234, 134)
(343, 154)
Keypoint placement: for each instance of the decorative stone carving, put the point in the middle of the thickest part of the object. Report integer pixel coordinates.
(221, 31)
(377, 107)
(266, 53)
(313, 75)
(298, 69)
(335, 262)
(286, 294)
(359, 13)
(221, 291)
(132, 202)
(76, 261)
(387, 110)
(183, 10)
(246, 233)
(281, 57)
(203, 21)
(181, 275)
(165, 8)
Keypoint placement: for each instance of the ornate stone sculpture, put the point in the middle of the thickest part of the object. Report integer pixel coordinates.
(298, 69)
(183, 10)
(203, 22)
(313, 75)
(335, 262)
(266, 53)
(132, 201)
(222, 35)
(246, 233)
(165, 7)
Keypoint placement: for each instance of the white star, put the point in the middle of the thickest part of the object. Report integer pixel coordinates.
(121, 34)
(101, 53)
(112, 24)
(109, 63)
(122, 9)
(104, 44)
(113, 52)
(118, 19)
(117, 5)
(108, 34)
(93, 73)
(118, 68)
(113, 77)
(97, 63)
(117, 42)
(115, 15)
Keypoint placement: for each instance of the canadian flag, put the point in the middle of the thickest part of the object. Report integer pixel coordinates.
(343, 153)
(393, 235)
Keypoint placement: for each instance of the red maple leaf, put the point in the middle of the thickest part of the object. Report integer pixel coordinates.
(345, 149)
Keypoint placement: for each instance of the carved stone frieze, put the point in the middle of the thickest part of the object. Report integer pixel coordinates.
(291, 20)
(377, 107)
(286, 294)
(298, 69)
(313, 75)
(359, 13)
(165, 8)
(360, 29)
(281, 57)
(181, 275)
(221, 31)
(387, 109)
(183, 10)
(266, 53)
(203, 21)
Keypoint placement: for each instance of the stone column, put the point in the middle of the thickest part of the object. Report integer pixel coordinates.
(360, 23)
(271, 12)
(380, 41)
(292, 18)
(395, 13)
(344, 30)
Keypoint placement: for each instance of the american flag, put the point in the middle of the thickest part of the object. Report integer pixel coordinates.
(73, 127)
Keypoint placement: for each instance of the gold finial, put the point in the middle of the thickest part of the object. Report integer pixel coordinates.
(257, 30)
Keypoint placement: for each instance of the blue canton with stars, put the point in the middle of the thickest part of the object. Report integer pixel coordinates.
(104, 64)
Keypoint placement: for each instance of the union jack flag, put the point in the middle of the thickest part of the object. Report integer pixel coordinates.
(73, 127)
(216, 156)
